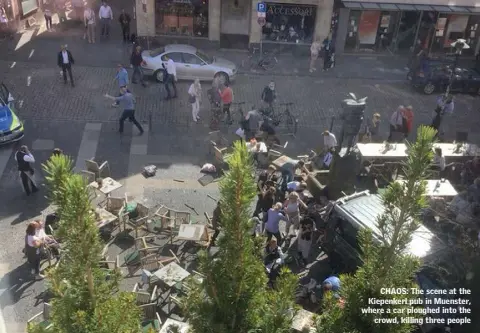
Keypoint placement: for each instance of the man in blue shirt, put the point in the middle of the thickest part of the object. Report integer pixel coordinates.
(122, 79)
(332, 283)
(128, 103)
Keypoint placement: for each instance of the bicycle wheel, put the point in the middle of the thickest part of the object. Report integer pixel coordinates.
(268, 63)
(292, 123)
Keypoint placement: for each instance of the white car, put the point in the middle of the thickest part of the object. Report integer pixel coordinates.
(190, 62)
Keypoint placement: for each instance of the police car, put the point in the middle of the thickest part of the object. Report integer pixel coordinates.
(11, 128)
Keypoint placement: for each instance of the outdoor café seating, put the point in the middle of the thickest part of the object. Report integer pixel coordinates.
(42, 318)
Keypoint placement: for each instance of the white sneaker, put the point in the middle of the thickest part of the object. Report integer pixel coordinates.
(114, 105)
(40, 276)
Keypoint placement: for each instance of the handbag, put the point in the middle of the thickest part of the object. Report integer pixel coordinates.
(192, 99)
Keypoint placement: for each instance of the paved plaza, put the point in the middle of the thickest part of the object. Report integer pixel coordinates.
(81, 121)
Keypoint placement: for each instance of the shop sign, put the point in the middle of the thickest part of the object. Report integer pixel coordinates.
(290, 10)
(385, 22)
(368, 26)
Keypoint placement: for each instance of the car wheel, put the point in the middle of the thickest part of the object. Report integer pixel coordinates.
(429, 88)
(222, 77)
(159, 75)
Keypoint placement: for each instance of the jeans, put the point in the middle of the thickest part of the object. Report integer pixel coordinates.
(130, 115)
(48, 22)
(277, 235)
(27, 182)
(170, 81)
(67, 68)
(137, 70)
(105, 26)
(126, 32)
(91, 32)
(195, 109)
(226, 109)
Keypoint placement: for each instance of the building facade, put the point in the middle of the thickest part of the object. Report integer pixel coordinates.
(235, 23)
(397, 26)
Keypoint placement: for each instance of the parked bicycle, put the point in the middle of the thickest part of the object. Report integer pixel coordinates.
(256, 59)
(278, 117)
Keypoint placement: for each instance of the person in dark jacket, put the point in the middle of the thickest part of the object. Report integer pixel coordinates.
(269, 95)
(124, 20)
(65, 61)
(24, 159)
(217, 213)
(136, 60)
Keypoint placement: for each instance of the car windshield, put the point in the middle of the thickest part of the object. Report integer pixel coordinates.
(204, 57)
(156, 52)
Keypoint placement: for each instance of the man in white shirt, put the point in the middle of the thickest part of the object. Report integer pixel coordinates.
(329, 140)
(106, 15)
(171, 71)
(89, 20)
(24, 159)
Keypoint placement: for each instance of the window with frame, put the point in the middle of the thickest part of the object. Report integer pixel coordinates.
(182, 17)
(175, 56)
(192, 59)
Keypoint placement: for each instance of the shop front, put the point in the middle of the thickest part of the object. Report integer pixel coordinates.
(399, 28)
(27, 6)
(297, 22)
(181, 18)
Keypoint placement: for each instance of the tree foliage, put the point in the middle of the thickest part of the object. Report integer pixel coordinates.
(233, 297)
(385, 264)
(84, 299)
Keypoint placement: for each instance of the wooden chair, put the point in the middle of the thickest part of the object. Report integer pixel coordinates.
(220, 155)
(141, 243)
(151, 319)
(104, 170)
(93, 167)
(88, 176)
(115, 205)
(217, 140)
(143, 213)
(43, 318)
(143, 296)
(111, 264)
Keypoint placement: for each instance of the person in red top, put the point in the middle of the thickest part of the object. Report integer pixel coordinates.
(227, 98)
(408, 116)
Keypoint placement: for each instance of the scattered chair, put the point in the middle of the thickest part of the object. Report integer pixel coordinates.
(151, 318)
(115, 205)
(43, 318)
(220, 155)
(93, 167)
(143, 296)
(104, 170)
(217, 140)
(88, 176)
(142, 214)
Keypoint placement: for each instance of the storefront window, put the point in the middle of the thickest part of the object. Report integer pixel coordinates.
(28, 6)
(289, 23)
(182, 17)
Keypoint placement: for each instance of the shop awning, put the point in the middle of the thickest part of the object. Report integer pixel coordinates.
(442, 6)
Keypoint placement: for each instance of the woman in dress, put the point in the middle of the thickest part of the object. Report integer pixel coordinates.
(292, 210)
(195, 97)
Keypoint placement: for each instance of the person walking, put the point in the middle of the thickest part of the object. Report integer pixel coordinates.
(195, 97)
(122, 79)
(106, 15)
(65, 61)
(136, 60)
(372, 130)
(314, 51)
(227, 98)
(408, 119)
(128, 103)
(24, 160)
(171, 71)
(396, 122)
(328, 57)
(48, 13)
(269, 95)
(124, 20)
(443, 113)
(89, 20)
